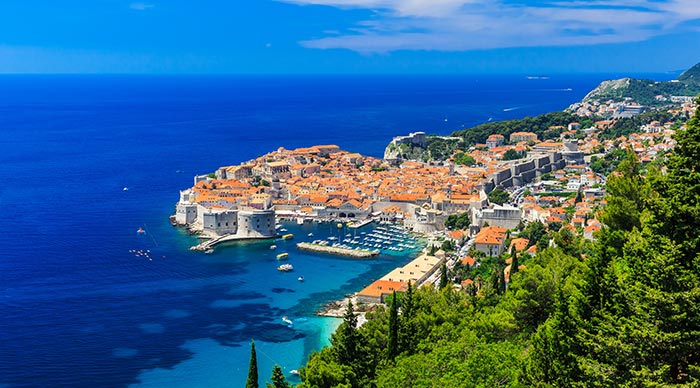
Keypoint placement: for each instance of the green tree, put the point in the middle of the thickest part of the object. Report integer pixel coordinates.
(458, 221)
(444, 281)
(346, 338)
(626, 195)
(534, 232)
(498, 196)
(252, 381)
(514, 263)
(321, 371)
(464, 159)
(393, 347)
(513, 155)
(448, 245)
(432, 250)
(278, 379)
(407, 334)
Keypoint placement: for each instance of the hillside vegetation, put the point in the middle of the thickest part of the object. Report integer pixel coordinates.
(644, 91)
(538, 124)
(621, 312)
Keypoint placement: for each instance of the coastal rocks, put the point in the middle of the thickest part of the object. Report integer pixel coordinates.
(336, 309)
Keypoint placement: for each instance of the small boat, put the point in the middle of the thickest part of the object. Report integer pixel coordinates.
(283, 230)
(282, 256)
(209, 251)
(300, 221)
(285, 267)
(125, 188)
(273, 246)
(294, 372)
(288, 236)
(311, 235)
(141, 231)
(287, 320)
(300, 278)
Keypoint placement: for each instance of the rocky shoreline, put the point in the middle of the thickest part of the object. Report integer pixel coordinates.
(336, 309)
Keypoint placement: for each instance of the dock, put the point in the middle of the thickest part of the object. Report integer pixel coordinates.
(358, 225)
(354, 253)
(210, 244)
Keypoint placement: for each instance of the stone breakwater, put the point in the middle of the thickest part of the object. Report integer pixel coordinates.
(355, 253)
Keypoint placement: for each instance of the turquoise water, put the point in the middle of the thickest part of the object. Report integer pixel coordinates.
(326, 278)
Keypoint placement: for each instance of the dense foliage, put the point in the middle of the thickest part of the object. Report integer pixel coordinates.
(458, 221)
(608, 162)
(464, 159)
(628, 125)
(538, 124)
(513, 155)
(498, 196)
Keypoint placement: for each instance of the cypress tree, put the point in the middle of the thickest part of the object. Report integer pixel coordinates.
(394, 327)
(278, 379)
(494, 279)
(443, 276)
(407, 329)
(514, 263)
(252, 381)
(501, 281)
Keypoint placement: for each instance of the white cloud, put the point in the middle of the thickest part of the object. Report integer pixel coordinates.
(485, 24)
(141, 6)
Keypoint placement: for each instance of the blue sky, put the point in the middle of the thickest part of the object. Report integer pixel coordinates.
(348, 36)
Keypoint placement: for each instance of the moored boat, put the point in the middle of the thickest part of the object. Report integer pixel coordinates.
(285, 267)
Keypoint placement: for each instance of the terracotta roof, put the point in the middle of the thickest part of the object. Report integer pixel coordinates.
(380, 287)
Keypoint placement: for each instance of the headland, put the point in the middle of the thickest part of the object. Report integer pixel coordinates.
(466, 192)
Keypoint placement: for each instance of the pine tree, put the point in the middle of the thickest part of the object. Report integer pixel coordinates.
(278, 379)
(393, 346)
(252, 381)
(346, 338)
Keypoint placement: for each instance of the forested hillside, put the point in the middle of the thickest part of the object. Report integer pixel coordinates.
(621, 312)
(539, 124)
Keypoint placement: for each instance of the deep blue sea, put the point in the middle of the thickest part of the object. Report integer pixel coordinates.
(77, 309)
